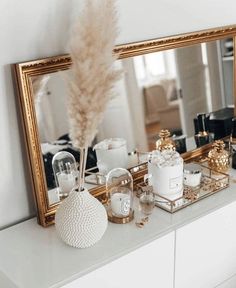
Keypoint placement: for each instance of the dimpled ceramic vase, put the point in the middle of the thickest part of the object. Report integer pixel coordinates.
(81, 220)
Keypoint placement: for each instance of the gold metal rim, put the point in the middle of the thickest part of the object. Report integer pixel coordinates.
(118, 220)
(170, 42)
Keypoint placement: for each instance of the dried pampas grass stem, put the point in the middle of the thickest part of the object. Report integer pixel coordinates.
(92, 75)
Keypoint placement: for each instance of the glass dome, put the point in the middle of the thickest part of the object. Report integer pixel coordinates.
(65, 173)
(119, 186)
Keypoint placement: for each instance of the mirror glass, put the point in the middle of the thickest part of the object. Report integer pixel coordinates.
(160, 90)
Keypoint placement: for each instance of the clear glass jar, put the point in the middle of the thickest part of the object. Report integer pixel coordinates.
(119, 185)
(192, 174)
(65, 173)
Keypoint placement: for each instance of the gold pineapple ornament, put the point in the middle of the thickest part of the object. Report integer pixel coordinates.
(165, 142)
(218, 157)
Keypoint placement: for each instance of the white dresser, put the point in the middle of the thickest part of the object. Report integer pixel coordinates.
(195, 247)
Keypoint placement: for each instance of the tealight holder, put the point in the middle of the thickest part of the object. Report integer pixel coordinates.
(119, 187)
(65, 173)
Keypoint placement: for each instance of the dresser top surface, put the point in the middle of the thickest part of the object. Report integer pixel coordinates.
(33, 256)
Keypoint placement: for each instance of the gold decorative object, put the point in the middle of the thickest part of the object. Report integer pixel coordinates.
(182, 40)
(218, 157)
(141, 223)
(165, 142)
(119, 220)
(190, 194)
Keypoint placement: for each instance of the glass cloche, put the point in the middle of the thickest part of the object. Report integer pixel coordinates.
(119, 186)
(65, 172)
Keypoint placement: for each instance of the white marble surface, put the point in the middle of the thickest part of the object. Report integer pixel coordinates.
(32, 256)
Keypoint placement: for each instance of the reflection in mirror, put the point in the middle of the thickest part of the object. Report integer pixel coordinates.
(161, 90)
(178, 84)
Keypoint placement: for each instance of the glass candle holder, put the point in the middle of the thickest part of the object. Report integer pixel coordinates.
(147, 202)
(119, 185)
(143, 157)
(65, 173)
(192, 175)
(111, 153)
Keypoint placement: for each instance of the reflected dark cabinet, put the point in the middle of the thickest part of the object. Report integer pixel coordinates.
(219, 123)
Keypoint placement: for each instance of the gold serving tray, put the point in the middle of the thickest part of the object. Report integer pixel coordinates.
(211, 183)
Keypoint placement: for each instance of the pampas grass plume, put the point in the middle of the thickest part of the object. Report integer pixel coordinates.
(93, 74)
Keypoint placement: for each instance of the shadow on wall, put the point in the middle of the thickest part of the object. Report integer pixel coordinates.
(16, 182)
(49, 39)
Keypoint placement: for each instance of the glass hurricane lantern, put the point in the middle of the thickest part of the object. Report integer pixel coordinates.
(119, 186)
(65, 173)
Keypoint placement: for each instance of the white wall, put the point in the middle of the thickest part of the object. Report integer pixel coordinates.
(36, 29)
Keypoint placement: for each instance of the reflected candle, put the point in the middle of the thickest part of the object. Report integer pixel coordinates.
(120, 204)
(66, 182)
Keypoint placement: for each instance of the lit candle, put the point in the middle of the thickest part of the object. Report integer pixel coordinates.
(66, 182)
(120, 204)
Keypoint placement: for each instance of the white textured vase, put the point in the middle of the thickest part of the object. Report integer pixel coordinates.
(81, 220)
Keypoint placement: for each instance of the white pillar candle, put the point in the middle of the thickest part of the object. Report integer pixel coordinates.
(120, 204)
(111, 153)
(192, 174)
(166, 169)
(66, 182)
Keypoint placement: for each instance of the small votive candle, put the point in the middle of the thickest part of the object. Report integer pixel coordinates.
(66, 182)
(192, 174)
(120, 204)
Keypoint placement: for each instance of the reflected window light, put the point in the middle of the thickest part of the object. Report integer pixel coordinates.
(170, 63)
(155, 63)
(139, 66)
(207, 76)
(204, 54)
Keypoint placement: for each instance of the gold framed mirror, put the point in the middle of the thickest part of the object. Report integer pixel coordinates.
(32, 79)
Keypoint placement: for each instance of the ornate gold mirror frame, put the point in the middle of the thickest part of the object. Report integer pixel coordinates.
(24, 72)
